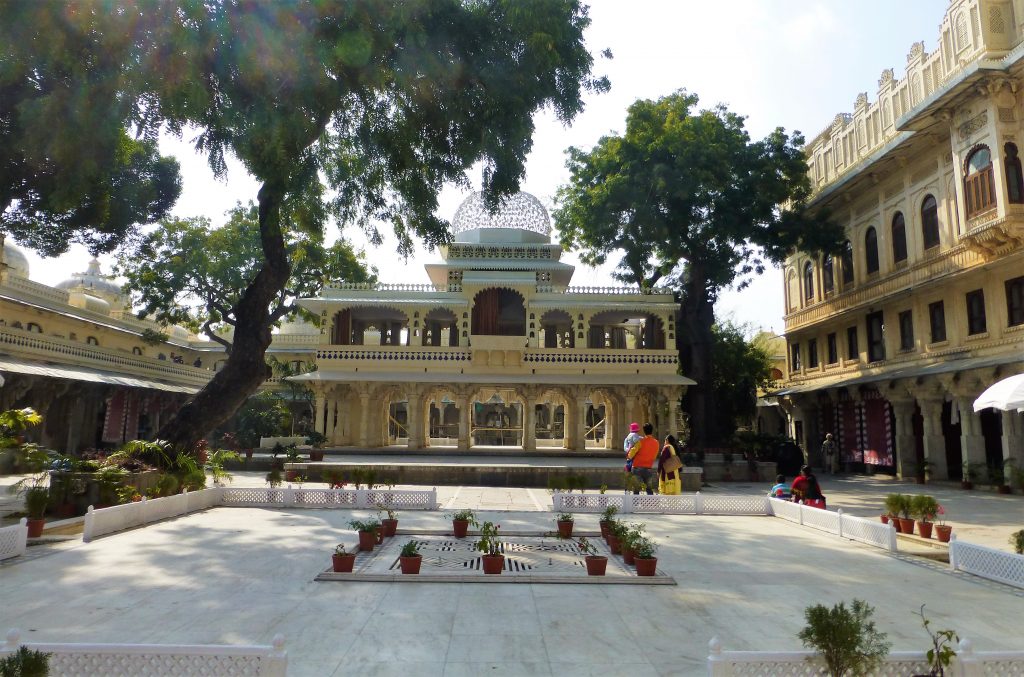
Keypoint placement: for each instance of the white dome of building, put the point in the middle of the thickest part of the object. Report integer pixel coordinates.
(299, 327)
(80, 299)
(94, 282)
(519, 212)
(178, 332)
(16, 261)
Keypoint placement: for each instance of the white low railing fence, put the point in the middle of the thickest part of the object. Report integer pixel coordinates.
(845, 526)
(682, 504)
(115, 660)
(979, 560)
(14, 539)
(966, 663)
(99, 522)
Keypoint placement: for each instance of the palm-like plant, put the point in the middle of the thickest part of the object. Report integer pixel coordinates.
(215, 464)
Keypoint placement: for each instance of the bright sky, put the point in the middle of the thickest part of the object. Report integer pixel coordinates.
(787, 63)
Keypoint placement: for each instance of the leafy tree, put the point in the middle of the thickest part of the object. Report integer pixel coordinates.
(360, 111)
(690, 201)
(740, 367)
(69, 170)
(188, 272)
(846, 638)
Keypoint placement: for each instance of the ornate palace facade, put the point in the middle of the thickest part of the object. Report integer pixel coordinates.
(890, 342)
(497, 350)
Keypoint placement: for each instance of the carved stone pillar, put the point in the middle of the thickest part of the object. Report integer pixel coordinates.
(415, 420)
(673, 414)
(465, 422)
(934, 440)
(334, 416)
(972, 442)
(530, 421)
(906, 461)
(364, 419)
(1013, 445)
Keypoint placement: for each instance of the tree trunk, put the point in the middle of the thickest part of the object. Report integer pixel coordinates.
(246, 368)
(698, 316)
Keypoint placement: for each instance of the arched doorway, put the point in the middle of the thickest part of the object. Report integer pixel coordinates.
(440, 328)
(499, 312)
(497, 419)
(556, 330)
(626, 330)
(370, 326)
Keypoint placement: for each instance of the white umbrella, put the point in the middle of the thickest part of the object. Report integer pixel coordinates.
(1007, 395)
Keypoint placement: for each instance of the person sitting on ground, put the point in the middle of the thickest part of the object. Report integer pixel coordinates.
(781, 488)
(644, 454)
(669, 465)
(805, 489)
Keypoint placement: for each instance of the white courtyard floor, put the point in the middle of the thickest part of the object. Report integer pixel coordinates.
(242, 575)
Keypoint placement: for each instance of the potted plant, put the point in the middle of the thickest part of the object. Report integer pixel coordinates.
(997, 478)
(36, 499)
(942, 530)
(367, 533)
(845, 638)
(334, 479)
(1017, 541)
(215, 465)
(390, 523)
(565, 524)
(1015, 473)
(607, 517)
(25, 662)
(490, 545)
(461, 520)
(292, 455)
(924, 508)
(941, 653)
(633, 532)
(316, 440)
(342, 559)
(904, 519)
(727, 466)
(274, 478)
(643, 552)
(597, 564)
(616, 534)
(410, 559)
(893, 506)
(970, 475)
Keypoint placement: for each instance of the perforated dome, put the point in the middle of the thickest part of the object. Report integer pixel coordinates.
(521, 211)
(94, 280)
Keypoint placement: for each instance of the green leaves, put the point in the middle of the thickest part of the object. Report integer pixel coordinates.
(845, 637)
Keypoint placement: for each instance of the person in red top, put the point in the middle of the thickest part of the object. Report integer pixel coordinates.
(644, 455)
(806, 489)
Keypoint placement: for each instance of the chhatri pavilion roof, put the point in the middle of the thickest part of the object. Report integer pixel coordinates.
(521, 211)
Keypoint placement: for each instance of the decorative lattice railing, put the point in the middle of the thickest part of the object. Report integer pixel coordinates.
(855, 528)
(399, 499)
(996, 565)
(115, 660)
(13, 539)
(966, 663)
(684, 504)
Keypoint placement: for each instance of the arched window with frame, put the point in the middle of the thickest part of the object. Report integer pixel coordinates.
(899, 238)
(792, 291)
(828, 274)
(1014, 177)
(979, 189)
(808, 282)
(846, 262)
(92, 341)
(871, 250)
(34, 327)
(930, 222)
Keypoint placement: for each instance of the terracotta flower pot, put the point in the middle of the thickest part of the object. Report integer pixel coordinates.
(942, 532)
(924, 528)
(411, 565)
(884, 518)
(1005, 489)
(906, 525)
(565, 528)
(604, 530)
(596, 565)
(35, 528)
(390, 526)
(493, 564)
(316, 455)
(343, 563)
(646, 567)
(290, 475)
(367, 539)
(966, 484)
(627, 556)
(460, 527)
(615, 545)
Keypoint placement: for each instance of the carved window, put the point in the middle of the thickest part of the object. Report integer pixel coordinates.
(906, 319)
(876, 337)
(930, 222)
(846, 263)
(828, 276)
(136, 350)
(808, 282)
(871, 250)
(937, 321)
(852, 349)
(1014, 177)
(33, 327)
(960, 27)
(794, 357)
(812, 354)
(832, 346)
(899, 238)
(979, 188)
(976, 322)
(1015, 301)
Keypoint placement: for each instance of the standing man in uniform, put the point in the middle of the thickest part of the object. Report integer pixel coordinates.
(830, 452)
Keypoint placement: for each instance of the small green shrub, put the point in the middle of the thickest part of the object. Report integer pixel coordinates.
(411, 549)
(1017, 541)
(845, 637)
(465, 514)
(365, 525)
(25, 663)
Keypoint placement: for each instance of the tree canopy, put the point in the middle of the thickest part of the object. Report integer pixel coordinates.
(358, 111)
(688, 200)
(189, 272)
(740, 367)
(69, 169)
